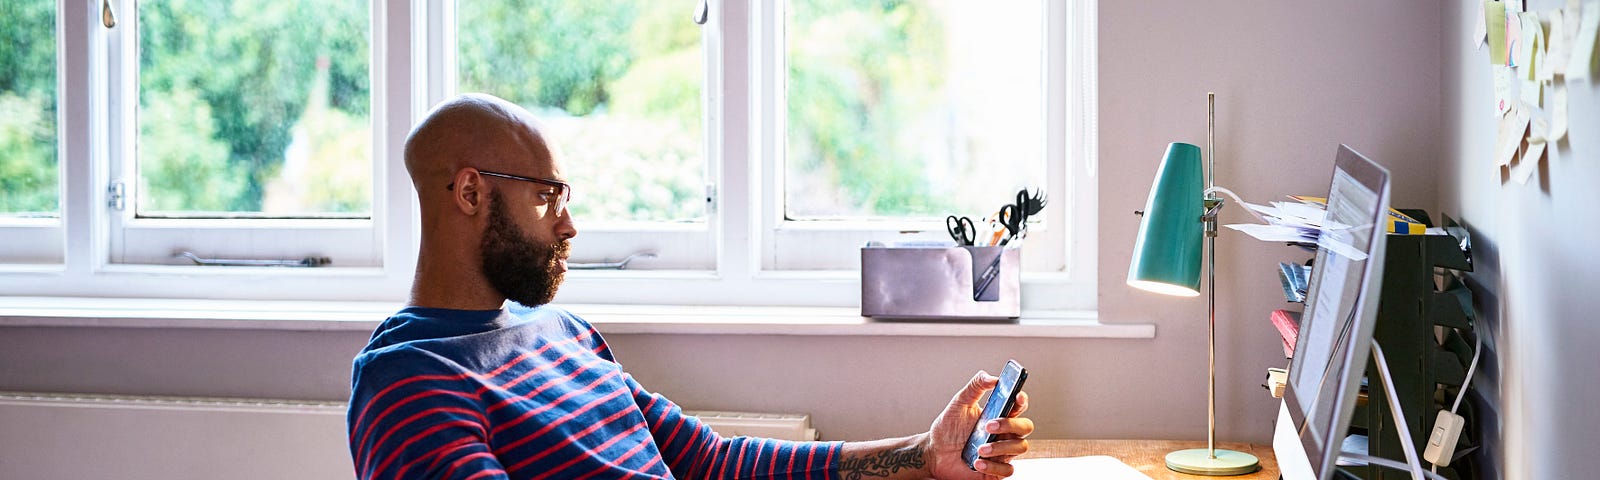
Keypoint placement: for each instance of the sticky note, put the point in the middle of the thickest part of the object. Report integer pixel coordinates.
(1502, 89)
(1528, 42)
(1479, 32)
(1558, 112)
(1523, 170)
(1555, 46)
(1513, 38)
(1494, 15)
(1530, 93)
(1513, 130)
(1583, 43)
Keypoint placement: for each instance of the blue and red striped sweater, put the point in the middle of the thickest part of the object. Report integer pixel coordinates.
(536, 393)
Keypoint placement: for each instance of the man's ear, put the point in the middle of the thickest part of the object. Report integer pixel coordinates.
(467, 191)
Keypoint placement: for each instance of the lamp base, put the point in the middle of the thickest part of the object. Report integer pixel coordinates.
(1198, 461)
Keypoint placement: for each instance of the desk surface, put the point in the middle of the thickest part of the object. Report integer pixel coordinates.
(1149, 456)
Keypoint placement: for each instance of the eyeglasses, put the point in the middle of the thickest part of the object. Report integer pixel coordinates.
(557, 199)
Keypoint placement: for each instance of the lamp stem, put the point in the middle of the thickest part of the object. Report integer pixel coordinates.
(1211, 278)
(1211, 337)
(1211, 139)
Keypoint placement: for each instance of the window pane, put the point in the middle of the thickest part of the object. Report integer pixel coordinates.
(912, 108)
(616, 82)
(254, 108)
(28, 182)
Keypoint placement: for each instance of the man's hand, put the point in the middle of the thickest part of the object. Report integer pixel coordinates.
(950, 431)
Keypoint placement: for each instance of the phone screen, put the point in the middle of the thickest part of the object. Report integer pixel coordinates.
(1000, 402)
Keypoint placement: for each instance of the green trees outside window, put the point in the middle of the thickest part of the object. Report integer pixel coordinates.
(29, 186)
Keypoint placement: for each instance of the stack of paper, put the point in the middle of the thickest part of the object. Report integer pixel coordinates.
(1098, 467)
(1294, 222)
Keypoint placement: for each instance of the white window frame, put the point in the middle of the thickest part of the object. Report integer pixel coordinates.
(374, 263)
(154, 241)
(731, 259)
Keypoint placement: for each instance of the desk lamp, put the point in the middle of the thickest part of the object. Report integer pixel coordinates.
(1166, 260)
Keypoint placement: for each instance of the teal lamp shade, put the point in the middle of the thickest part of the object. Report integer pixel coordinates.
(1166, 256)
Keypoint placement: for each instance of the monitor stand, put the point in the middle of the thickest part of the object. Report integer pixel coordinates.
(1411, 464)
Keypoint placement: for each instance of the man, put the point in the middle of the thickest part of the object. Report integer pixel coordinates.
(457, 386)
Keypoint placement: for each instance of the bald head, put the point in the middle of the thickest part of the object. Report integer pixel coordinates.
(486, 237)
(479, 131)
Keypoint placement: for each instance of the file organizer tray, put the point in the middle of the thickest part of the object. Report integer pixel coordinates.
(939, 283)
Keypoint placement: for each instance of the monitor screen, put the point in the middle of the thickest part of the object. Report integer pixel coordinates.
(1335, 338)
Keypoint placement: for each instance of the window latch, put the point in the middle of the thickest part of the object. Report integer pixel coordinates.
(117, 195)
(108, 17)
(702, 12)
(622, 265)
(228, 262)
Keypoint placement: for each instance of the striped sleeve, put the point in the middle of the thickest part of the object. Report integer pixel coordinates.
(419, 425)
(692, 450)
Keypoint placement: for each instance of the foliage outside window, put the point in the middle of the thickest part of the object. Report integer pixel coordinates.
(28, 164)
(254, 108)
(616, 82)
(912, 108)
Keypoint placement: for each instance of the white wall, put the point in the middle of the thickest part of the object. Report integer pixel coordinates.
(1536, 261)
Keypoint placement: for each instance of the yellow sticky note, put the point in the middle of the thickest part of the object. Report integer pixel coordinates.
(1494, 14)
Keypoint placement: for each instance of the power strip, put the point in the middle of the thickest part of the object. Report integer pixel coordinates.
(1442, 441)
(1277, 381)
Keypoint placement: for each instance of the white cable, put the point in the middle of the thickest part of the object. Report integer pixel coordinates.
(1477, 352)
(1407, 446)
(1241, 201)
(1384, 462)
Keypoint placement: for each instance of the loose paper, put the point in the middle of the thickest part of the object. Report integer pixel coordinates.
(1502, 89)
(1558, 112)
(1097, 467)
(1495, 15)
(1583, 43)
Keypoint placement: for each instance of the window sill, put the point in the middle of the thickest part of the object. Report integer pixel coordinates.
(609, 319)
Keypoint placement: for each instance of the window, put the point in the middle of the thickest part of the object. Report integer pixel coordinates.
(252, 121)
(753, 155)
(30, 193)
(620, 85)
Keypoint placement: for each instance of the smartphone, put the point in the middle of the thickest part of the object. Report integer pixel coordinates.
(1001, 400)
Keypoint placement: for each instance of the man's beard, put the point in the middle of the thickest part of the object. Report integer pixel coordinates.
(517, 266)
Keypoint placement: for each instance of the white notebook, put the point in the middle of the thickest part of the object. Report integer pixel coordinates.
(1098, 467)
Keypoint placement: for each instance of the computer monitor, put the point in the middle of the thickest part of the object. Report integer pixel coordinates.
(1330, 355)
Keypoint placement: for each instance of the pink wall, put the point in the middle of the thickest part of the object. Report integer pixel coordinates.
(1293, 81)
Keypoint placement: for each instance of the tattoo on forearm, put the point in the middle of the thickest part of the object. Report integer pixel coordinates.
(881, 464)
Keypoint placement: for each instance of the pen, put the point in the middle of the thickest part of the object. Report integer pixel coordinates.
(988, 276)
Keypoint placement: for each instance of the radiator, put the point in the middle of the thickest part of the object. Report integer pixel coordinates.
(782, 426)
(46, 436)
(69, 436)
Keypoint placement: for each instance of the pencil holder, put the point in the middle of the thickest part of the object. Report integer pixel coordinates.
(941, 282)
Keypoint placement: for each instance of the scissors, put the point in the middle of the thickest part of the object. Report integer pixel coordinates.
(1012, 218)
(961, 229)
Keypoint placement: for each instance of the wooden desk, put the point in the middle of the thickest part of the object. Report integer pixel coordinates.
(1149, 456)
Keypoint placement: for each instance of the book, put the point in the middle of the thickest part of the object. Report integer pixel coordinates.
(1398, 222)
(1294, 279)
(1288, 325)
